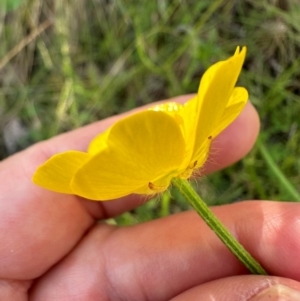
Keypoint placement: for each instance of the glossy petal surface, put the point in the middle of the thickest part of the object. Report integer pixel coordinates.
(174, 110)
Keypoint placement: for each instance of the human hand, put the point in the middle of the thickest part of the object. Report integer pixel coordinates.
(52, 247)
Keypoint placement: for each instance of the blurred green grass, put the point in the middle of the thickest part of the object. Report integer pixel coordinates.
(64, 64)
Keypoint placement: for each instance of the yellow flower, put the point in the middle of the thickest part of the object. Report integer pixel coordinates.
(145, 151)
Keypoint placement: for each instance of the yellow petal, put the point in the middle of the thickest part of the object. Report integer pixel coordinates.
(144, 148)
(215, 90)
(222, 76)
(56, 173)
(202, 113)
(98, 143)
(234, 107)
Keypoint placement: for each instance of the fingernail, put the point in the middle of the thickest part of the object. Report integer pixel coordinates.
(277, 292)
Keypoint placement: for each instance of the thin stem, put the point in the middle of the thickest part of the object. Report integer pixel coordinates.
(211, 220)
(282, 179)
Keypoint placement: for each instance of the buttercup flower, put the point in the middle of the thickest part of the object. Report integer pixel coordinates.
(145, 151)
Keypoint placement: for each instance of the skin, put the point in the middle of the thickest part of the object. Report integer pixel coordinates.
(53, 246)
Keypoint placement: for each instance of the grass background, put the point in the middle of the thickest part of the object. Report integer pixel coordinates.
(64, 64)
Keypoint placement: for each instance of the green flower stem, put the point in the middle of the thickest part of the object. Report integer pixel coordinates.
(294, 195)
(211, 220)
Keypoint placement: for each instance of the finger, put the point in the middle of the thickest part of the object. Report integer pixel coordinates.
(37, 227)
(227, 148)
(14, 290)
(252, 288)
(36, 221)
(163, 258)
(50, 224)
